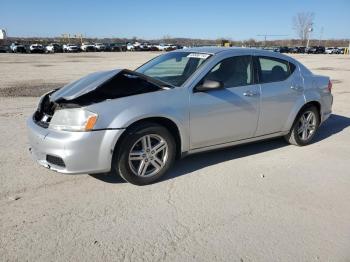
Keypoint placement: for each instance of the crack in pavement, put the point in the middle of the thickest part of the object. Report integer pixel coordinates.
(36, 189)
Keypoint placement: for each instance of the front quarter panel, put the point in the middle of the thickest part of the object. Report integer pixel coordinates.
(122, 112)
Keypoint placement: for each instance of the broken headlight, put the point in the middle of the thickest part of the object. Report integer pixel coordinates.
(75, 119)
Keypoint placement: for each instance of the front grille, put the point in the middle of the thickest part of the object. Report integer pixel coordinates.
(45, 111)
(37, 117)
(54, 160)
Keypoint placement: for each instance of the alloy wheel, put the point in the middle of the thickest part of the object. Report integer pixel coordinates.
(148, 155)
(307, 125)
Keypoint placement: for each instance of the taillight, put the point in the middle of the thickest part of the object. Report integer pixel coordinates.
(330, 86)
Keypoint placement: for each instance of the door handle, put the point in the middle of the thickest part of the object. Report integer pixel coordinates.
(296, 87)
(250, 93)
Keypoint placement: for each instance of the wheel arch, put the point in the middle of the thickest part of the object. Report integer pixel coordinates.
(169, 124)
(292, 119)
(315, 103)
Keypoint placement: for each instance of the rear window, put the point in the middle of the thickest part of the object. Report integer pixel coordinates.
(274, 69)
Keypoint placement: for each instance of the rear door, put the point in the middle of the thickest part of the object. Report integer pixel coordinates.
(281, 86)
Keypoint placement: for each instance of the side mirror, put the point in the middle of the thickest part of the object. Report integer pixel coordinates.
(209, 85)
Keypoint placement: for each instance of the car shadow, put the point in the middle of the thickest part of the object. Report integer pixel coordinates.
(110, 177)
(334, 125)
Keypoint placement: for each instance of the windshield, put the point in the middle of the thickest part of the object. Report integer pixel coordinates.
(173, 68)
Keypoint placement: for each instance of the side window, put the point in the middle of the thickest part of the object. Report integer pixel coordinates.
(233, 71)
(273, 69)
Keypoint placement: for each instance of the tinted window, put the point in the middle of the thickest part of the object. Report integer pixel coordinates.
(233, 71)
(274, 69)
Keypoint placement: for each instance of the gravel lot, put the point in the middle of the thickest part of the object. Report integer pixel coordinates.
(266, 201)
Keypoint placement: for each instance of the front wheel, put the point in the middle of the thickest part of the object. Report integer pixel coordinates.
(305, 127)
(146, 153)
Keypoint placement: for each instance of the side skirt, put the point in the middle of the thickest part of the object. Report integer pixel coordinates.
(234, 143)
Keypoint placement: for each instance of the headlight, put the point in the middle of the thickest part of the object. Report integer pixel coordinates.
(75, 119)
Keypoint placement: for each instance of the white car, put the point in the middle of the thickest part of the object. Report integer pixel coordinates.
(164, 47)
(68, 48)
(87, 47)
(53, 48)
(331, 50)
(36, 48)
(17, 48)
(130, 47)
(161, 47)
(100, 47)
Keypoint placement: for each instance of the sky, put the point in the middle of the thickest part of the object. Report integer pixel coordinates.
(154, 19)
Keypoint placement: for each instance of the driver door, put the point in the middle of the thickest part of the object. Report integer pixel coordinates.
(225, 114)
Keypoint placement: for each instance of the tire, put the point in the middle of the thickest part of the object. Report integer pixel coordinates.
(304, 130)
(141, 168)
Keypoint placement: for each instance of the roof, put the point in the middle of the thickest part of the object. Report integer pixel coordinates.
(234, 50)
(211, 49)
(218, 49)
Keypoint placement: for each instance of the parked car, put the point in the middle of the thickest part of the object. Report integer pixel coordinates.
(4, 49)
(315, 50)
(108, 47)
(170, 48)
(36, 48)
(331, 50)
(341, 50)
(337, 50)
(116, 47)
(297, 50)
(301, 49)
(70, 48)
(284, 49)
(130, 47)
(144, 47)
(54, 48)
(87, 47)
(99, 47)
(293, 50)
(119, 47)
(268, 48)
(17, 48)
(162, 47)
(186, 101)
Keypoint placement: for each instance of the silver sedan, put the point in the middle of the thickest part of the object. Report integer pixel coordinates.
(137, 123)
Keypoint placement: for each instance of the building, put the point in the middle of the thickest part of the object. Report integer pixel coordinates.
(2, 34)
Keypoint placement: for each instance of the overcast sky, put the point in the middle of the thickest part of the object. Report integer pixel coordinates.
(155, 19)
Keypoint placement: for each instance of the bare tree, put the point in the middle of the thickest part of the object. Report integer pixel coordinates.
(167, 39)
(302, 23)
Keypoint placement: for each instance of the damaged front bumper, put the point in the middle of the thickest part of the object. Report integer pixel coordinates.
(72, 152)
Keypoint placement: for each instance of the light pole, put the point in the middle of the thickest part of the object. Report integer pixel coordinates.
(321, 33)
(309, 30)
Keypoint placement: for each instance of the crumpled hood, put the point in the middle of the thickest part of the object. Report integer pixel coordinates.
(83, 85)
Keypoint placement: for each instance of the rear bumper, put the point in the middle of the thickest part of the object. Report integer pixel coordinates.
(326, 107)
(80, 152)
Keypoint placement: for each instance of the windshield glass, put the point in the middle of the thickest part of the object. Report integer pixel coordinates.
(173, 68)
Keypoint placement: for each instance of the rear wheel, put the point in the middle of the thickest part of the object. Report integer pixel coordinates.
(305, 127)
(146, 153)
